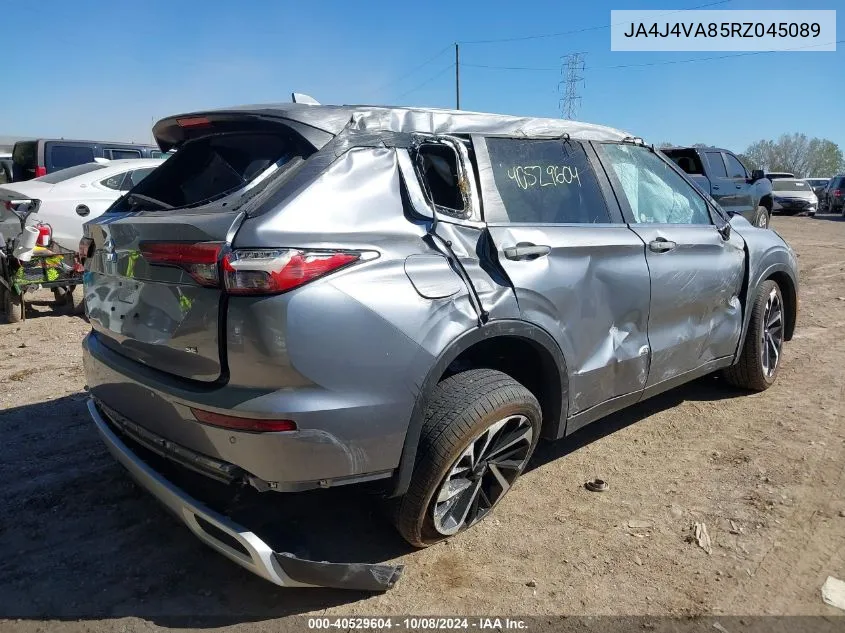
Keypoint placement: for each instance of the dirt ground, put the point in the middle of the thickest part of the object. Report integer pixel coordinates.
(83, 548)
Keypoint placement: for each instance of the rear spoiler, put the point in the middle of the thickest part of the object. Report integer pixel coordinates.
(172, 132)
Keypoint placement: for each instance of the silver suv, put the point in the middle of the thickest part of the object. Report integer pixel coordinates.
(311, 296)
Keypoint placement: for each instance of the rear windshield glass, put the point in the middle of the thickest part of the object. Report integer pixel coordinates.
(211, 167)
(70, 172)
(790, 185)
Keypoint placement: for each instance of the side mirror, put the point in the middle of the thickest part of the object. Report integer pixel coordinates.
(757, 174)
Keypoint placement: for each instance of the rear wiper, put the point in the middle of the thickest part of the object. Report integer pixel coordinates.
(138, 196)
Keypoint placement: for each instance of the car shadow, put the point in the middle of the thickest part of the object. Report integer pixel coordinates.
(831, 217)
(707, 388)
(82, 541)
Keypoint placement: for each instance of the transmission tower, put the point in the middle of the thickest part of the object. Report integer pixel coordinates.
(572, 71)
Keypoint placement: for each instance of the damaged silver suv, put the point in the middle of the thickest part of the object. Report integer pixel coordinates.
(311, 296)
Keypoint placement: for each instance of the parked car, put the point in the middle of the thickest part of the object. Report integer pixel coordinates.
(68, 197)
(39, 157)
(831, 200)
(774, 175)
(720, 174)
(311, 296)
(818, 185)
(792, 196)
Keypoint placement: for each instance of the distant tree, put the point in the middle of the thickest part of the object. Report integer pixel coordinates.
(664, 144)
(701, 145)
(750, 163)
(797, 154)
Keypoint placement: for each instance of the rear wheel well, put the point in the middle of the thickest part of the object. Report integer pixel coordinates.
(766, 201)
(527, 362)
(790, 300)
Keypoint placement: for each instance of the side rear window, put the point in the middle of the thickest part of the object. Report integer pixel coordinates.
(545, 182)
(118, 154)
(211, 167)
(438, 167)
(717, 165)
(64, 156)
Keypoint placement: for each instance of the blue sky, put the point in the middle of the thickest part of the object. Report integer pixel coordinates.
(91, 69)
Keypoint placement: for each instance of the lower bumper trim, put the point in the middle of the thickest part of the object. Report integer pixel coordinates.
(236, 542)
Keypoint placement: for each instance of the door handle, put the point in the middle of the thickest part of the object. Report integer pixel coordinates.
(661, 245)
(526, 250)
(715, 186)
(739, 186)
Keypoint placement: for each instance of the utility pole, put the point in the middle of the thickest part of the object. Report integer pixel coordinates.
(572, 72)
(457, 78)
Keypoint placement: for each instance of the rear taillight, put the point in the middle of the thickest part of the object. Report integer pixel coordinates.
(837, 193)
(196, 121)
(247, 271)
(40, 171)
(273, 271)
(199, 259)
(237, 423)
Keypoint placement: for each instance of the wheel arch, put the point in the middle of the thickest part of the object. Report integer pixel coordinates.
(784, 277)
(790, 300)
(549, 381)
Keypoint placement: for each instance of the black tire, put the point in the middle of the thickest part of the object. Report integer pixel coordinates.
(761, 217)
(461, 409)
(13, 306)
(75, 299)
(749, 372)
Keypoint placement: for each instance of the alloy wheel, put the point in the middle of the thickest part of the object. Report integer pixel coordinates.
(482, 474)
(772, 333)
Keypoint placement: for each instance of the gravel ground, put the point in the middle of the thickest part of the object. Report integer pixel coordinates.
(85, 549)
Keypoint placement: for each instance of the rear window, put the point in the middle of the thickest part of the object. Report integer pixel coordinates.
(789, 185)
(70, 172)
(211, 167)
(63, 156)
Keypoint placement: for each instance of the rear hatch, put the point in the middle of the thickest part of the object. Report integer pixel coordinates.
(152, 285)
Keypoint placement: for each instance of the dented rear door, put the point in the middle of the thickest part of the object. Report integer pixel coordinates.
(577, 270)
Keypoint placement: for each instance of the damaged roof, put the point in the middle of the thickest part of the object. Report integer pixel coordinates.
(333, 119)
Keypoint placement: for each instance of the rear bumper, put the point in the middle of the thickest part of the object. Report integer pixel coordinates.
(238, 543)
(336, 443)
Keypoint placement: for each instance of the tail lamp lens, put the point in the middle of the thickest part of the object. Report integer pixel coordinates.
(199, 259)
(237, 423)
(278, 270)
(247, 271)
(837, 193)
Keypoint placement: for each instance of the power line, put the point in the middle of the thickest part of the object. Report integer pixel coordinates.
(572, 72)
(414, 69)
(660, 63)
(426, 82)
(581, 30)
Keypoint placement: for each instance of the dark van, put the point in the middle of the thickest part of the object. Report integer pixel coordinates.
(39, 157)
